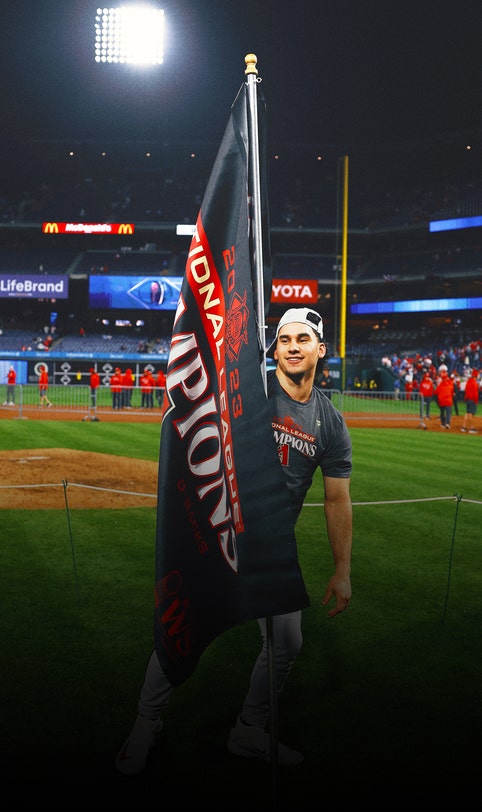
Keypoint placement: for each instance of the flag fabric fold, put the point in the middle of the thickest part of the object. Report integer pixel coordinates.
(225, 543)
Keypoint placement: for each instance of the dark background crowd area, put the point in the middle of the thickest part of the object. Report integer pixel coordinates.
(398, 186)
(393, 194)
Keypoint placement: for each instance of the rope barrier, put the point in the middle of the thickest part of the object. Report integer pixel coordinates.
(79, 485)
(453, 498)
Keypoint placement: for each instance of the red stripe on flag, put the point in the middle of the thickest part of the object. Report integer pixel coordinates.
(206, 287)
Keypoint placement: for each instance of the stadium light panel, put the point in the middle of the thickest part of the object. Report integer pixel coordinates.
(130, 35)
(455, 223)
(418, 306)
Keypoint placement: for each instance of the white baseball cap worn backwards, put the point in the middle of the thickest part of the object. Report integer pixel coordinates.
(303, 315)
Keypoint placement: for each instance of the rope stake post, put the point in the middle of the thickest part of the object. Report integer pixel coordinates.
(64, 483)
(458, 497)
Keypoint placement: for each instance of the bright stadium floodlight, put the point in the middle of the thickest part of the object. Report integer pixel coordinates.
(130, 35)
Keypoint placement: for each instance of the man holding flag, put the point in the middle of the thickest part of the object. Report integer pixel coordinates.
(225, 542)
(308, 432)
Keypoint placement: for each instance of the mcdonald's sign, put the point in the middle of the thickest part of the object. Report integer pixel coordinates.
(87, 228)
(125, 228)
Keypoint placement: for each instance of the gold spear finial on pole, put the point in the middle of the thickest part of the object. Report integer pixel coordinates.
(251, 60)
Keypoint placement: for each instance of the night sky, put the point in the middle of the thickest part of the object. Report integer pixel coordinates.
(341, 72)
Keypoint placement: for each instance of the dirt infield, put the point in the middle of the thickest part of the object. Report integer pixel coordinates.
(51, 478)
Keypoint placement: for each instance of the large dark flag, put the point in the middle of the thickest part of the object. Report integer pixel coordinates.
(225, 543)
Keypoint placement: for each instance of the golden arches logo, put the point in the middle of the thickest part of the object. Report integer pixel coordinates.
(125, 228)
(50, 228)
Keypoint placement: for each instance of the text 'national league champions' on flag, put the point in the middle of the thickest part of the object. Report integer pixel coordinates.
(225, 542)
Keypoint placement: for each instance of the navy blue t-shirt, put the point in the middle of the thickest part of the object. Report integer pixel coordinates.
(308, 435)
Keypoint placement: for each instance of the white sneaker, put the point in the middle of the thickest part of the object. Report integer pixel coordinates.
(252, 742)
(131, 760)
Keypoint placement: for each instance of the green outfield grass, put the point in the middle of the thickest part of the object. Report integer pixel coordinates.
(384, 700)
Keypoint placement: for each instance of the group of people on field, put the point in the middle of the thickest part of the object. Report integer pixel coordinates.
(433, 385)
(445, 387)
(42, 382)
(442, 388)
(122, 385)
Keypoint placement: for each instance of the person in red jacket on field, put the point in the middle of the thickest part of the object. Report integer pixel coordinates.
(408, 385)
(11, 381)
(147, 383)
(471, 397)
(160, 387)
(426, 390)
(444, 393)
(43, 385)
(115, 384)
(128, 386)
(94, 385)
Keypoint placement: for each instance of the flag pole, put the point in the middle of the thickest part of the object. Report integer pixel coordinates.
(344, 273)
(255, 191)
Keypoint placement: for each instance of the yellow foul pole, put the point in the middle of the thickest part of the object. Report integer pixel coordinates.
(344, 256)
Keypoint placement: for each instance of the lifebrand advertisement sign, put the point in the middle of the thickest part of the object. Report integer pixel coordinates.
(46, 286)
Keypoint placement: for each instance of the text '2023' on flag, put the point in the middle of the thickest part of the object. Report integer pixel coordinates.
(225, 543)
